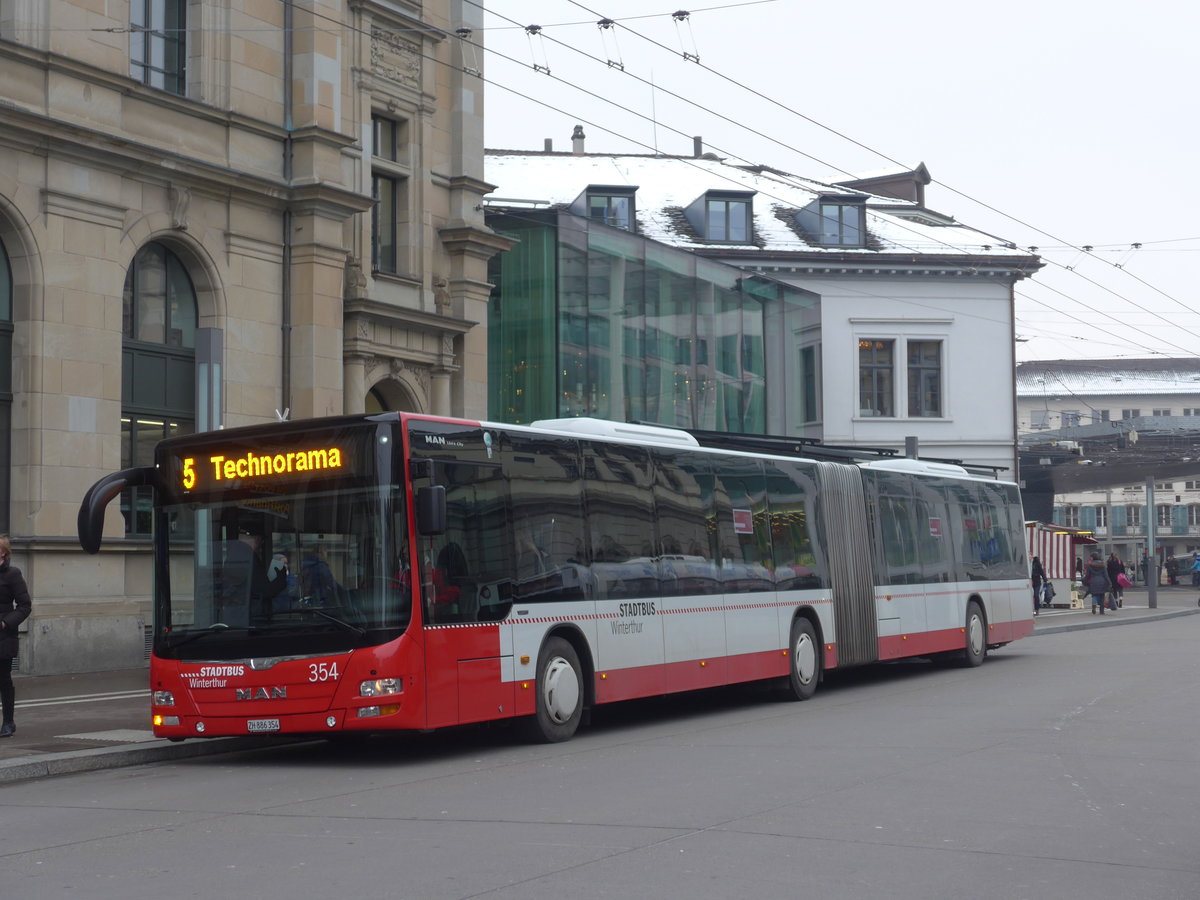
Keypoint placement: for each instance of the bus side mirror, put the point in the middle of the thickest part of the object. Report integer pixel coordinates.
(431, 509)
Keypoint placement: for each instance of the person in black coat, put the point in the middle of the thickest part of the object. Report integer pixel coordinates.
(15, 606)
(1037, 574)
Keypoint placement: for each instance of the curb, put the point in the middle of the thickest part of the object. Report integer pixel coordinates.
(74, 761)
(1083, 626)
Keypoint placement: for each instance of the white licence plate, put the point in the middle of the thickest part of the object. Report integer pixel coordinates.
(257, 725)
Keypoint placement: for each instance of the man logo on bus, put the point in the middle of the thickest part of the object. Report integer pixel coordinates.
(276, 693)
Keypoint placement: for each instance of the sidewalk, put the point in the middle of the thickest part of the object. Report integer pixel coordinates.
(1172, 601)
(77, 723)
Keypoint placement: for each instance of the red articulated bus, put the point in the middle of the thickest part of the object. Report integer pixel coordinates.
(397, 571)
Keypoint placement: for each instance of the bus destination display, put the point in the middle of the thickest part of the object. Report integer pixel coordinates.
(222, 468)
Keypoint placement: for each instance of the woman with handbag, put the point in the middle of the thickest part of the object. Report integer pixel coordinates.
(14, 609)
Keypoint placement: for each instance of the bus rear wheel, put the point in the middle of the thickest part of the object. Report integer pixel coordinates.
(976, 647)
(805, 670)
(559, 689)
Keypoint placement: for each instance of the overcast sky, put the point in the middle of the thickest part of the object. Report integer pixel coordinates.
(1073, 121)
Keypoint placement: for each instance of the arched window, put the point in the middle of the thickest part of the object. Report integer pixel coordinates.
(158, 381)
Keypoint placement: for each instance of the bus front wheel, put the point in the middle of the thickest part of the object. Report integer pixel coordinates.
(805, 669)
(559, 693)
(976, 648)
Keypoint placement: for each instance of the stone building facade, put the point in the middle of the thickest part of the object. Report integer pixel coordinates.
(213, 213)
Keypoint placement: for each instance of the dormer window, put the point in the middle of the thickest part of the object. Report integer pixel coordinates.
(608, 203)
(723, 216)
(611, 210)
(835, 220)
(841, 224)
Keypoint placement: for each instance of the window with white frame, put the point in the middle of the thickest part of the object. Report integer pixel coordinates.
(1099, 415)
(1162, 514)
(1191, 411)
(1160, 412)
(1070, 418)
(1101, 516)
(389, 190)
(924, 378)
(876, 377)
(1071, 516)
(1133, 516)
(1193, 514)
(1130, 413)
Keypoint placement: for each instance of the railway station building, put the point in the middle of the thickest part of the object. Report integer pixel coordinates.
(212, 214)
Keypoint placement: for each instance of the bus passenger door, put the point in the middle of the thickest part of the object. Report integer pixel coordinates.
(465, 591)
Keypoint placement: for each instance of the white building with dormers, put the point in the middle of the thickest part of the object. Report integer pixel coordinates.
(907, 329)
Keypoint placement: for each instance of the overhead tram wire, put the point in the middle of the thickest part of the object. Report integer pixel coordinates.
(658, 88)
(633, 18)
(874, 151)
(782, 176)
(1155, 338)
(786, 146)
(545, 71)
(639, 143)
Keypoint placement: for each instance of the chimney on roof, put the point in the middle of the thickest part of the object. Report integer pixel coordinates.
(697, 146)
(577, 140)
(548, 147)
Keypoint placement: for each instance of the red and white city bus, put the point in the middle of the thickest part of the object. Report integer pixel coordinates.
(397, 571)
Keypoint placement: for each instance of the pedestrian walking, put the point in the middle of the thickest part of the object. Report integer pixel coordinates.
(1195, 570)
(1116, 571)
(15, 606)
(1095, 581)
(1037, 576)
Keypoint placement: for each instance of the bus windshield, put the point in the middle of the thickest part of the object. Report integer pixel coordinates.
(288, 574)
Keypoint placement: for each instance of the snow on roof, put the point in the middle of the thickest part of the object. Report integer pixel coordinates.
(1092, 377)
(668, 184)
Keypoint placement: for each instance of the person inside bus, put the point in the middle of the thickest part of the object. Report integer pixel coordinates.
(318, 587)
(268, 579)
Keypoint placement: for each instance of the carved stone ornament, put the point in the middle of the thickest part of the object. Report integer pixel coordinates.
(441, 295)
(395, 58)
(181, 197)
(356, 278)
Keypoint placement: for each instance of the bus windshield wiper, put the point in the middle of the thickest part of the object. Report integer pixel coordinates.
(341, 623)
(215, 628)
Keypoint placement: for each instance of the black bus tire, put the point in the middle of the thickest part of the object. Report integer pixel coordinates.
(559, 688)
(804, 669)
(976, 633)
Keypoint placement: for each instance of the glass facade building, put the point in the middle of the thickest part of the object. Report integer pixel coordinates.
(591, 320)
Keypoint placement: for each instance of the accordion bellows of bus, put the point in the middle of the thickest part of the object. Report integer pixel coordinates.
(396, 571)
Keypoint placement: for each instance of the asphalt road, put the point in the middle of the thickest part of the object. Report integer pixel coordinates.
(1066, 767)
